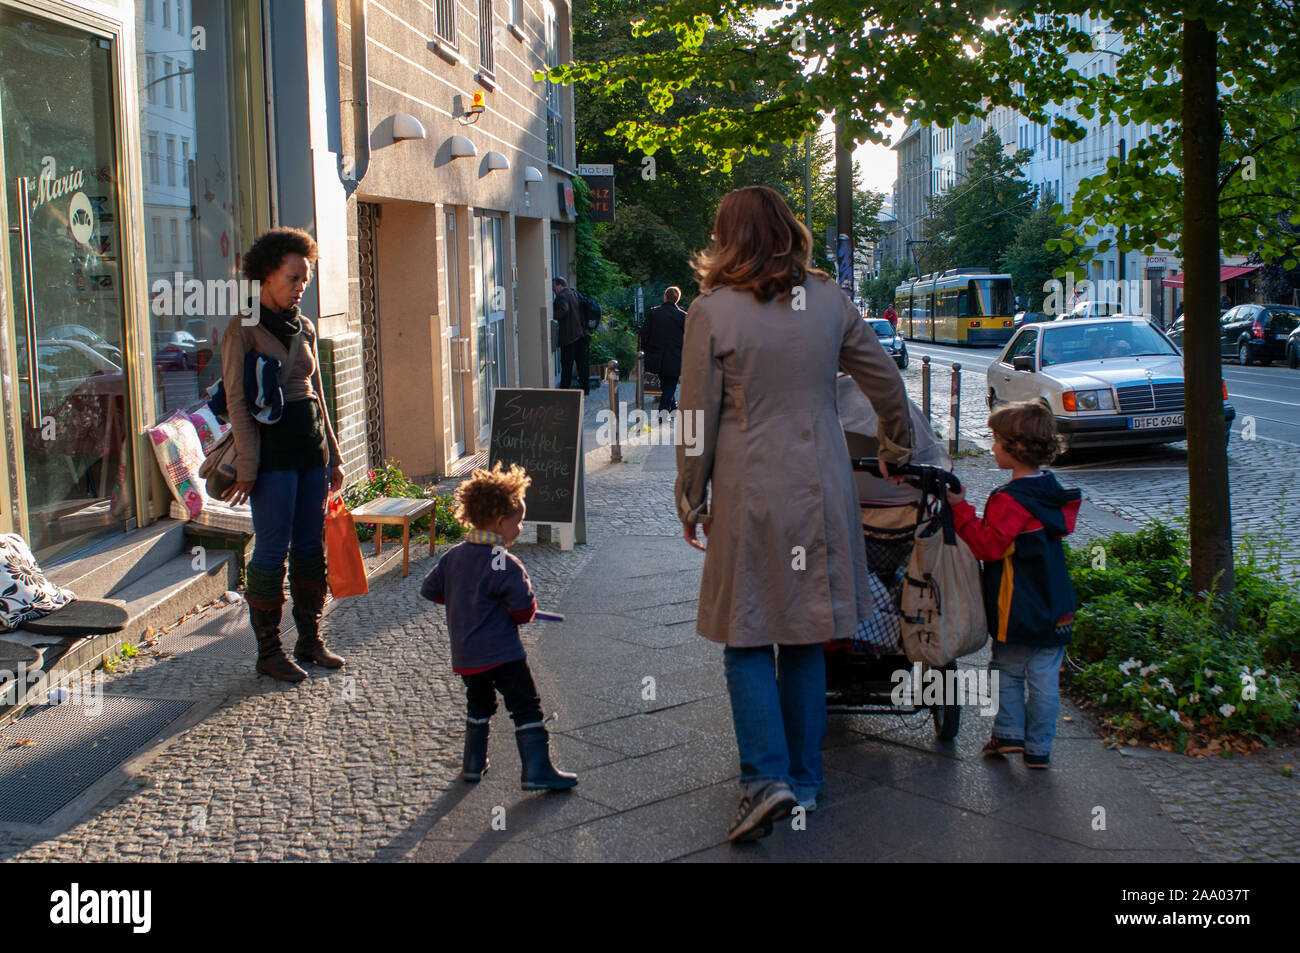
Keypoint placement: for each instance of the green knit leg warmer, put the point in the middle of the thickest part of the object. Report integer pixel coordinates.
(265, 586)
(307, 568)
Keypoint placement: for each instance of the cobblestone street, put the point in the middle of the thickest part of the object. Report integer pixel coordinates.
(362, 764)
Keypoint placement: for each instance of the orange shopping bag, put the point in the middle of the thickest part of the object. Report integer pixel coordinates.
(343, 552)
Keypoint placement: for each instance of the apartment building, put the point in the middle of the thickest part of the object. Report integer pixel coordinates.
(459, 219)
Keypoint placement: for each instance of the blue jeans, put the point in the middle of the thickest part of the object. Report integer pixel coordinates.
(288, 511)
(779, 711)
(1039, 669)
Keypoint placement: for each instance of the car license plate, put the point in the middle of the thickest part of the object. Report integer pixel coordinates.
(1157, 422)
(1283, 337)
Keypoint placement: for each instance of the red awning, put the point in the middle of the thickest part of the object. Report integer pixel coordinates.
(1226, 273)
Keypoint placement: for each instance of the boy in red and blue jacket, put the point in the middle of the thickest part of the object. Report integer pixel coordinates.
(1028, 596)
(488, 596)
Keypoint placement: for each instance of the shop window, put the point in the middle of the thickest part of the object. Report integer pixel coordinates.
(196, 235)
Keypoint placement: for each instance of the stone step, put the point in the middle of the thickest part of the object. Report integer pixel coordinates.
(165, 594)
(121, 562)
(159, 598)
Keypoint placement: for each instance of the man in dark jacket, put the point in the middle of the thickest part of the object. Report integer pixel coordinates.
(665, 325)
(574, 336)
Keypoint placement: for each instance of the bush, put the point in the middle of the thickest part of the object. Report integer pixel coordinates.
(617, 343)
(1163, 661)
(388, 480)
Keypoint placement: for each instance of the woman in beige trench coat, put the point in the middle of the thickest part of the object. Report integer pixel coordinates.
(785, 564)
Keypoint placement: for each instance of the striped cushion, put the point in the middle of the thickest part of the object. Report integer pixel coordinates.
(217, 514)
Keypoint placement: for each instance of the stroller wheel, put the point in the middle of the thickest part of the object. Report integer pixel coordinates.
(947, 718)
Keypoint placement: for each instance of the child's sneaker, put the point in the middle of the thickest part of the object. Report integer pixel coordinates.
(998, 745)
(1037, 760)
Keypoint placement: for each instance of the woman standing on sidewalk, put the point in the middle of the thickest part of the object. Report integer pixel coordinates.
(785, 569)
(286, 469)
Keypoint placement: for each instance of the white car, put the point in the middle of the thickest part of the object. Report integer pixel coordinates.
(1110, 381)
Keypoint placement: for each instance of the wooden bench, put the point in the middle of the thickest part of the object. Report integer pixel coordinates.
(395, 511)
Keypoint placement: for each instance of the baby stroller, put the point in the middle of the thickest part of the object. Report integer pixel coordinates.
(859, 679)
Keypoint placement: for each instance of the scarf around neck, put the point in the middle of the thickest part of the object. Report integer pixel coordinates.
(283, 324)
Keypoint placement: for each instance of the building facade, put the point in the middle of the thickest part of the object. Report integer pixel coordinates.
(144, 145)
(454, 235)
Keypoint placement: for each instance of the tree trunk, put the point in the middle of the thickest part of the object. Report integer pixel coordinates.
(1207, 451)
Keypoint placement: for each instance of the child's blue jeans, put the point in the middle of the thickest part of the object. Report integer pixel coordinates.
(1021, 667)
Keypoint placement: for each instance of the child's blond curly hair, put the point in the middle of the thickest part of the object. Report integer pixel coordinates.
(490, 494)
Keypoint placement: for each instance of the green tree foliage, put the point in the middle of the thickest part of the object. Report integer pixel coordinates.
(1032, 264)
(666, 199)
(973, 223)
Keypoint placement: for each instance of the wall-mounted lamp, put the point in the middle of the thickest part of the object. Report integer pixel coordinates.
(477, 106)
(531, 174)
(496, 160)
(462, 148)
(406, 126)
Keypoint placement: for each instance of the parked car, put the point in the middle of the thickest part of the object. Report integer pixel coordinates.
(1293, 349)
(1031, 317)
(175, 351)
(1175, 332)
(78, 332)
(891, 341)
(1110, 381)
(1257, 332)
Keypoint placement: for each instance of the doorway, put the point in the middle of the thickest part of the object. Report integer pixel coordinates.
(457, 335)
(67, 414)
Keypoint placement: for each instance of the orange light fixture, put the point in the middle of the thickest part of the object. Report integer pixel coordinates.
(1069, 402)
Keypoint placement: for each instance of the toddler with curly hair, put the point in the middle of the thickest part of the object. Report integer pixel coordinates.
(1028, 596)
(488, 596)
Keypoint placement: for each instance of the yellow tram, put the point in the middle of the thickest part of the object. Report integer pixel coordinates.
(958, 306)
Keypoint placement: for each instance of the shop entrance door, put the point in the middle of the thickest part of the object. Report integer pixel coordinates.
(491, 317)
(457, 341)
(66, 418)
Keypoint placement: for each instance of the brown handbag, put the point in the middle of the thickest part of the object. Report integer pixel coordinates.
(220, 466)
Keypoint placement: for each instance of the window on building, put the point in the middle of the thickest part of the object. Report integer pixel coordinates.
(175, 229)
(154, 178)
(486, 56)
(166, 12)
(185, 164)
(180, 18)
(157, 238)
(171, 161)
(181, 82)
(444, 20)
(189, 239)
(554, 92)
(168, 68)
(148, 11)
(151, 80)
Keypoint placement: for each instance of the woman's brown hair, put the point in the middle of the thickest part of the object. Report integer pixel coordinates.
(758, 246)
(1027, 430)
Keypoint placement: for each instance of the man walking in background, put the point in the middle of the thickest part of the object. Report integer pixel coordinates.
(574, 337)
(665, 326)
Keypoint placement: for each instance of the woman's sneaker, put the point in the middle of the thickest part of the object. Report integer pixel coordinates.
(998, 745)
(1037, 760)
(758, 813)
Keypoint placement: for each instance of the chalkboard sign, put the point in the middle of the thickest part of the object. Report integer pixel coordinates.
(539, 429)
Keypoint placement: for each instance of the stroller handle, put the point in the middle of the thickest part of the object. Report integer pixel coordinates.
(920, 475)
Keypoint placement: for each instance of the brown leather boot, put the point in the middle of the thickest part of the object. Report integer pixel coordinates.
(271, 660)
(307, 586)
